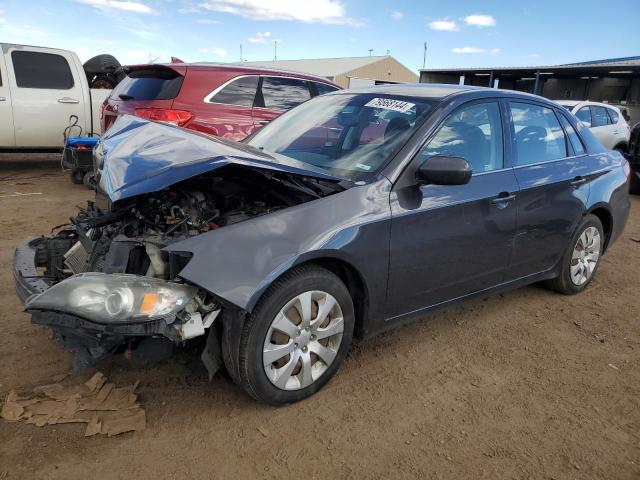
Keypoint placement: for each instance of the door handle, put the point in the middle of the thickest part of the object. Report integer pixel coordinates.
(263, 122)
(3, 99)
(503, 199)
(68, 100)
(576, 182)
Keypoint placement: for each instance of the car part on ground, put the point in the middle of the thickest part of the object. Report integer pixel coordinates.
(323, 217)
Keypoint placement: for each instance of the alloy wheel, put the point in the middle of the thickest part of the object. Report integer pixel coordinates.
(584, 258)
(303, 340)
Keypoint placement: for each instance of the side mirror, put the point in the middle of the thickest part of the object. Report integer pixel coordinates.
(444, 170)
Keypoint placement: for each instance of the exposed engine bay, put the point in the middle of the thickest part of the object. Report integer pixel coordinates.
(128, 237)
(136, 292)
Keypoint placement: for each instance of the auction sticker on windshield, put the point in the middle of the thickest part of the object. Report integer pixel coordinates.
(390, 104)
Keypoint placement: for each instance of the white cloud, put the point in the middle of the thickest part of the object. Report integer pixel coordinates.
(207, 21)
(534, 55)
(261, 37)
(495, 51)
(397, 15)
(308, 11)
(188, 10)
(127, 6)
(468, 50)
(218, 52)
(480, 20)
(444, 26)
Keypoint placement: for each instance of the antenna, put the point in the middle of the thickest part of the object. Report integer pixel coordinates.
(370, 51)
(275, 50)
(424, 56)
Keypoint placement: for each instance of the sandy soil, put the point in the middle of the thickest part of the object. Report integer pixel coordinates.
(530, 384)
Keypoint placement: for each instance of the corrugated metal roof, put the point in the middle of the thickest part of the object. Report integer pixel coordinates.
(612, 62)
(325, 67)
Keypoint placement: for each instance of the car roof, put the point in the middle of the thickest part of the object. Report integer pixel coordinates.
(227, 67)
(437, 91)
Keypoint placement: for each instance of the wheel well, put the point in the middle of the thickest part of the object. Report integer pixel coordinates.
(354, 283)
(621, 146)
(605, 218)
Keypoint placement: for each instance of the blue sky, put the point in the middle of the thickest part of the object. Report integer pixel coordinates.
(458, 33)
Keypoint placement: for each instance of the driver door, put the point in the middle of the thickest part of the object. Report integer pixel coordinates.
(448, 241)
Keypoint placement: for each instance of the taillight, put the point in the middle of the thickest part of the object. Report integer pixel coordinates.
(167, 115)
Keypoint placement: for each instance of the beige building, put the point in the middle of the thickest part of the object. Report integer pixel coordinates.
(348, 71)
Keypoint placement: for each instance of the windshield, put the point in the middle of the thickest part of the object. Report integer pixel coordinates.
(349, 135)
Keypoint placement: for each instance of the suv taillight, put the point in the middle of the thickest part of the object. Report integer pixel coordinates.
(167, 115)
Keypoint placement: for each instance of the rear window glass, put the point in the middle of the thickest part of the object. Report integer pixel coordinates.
(241, 92)
(152, 84)
(324, 88)
(539, 137)
(614, 115)
(584, 115)
(600, 117)
(41, 70)
(284, 93)
(576, 144)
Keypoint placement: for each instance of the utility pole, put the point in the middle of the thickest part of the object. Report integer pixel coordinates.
(370, 51)
(241, 52)
(275, 50)
(424, 56)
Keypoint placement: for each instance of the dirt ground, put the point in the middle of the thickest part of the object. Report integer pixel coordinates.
(530, 384)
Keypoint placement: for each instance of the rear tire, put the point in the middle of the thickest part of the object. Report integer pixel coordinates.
(581, 258)
(297, 336)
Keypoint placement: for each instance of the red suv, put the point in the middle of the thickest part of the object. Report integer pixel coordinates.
(229, 101)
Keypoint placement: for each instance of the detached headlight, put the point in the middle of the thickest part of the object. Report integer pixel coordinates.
(115, 298)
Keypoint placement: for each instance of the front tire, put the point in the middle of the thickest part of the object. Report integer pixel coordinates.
(297, 336)
(581, 258)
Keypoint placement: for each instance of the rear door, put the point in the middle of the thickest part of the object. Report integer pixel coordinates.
(7, 138)
(553, 177)
(46, 92)
(276, 95)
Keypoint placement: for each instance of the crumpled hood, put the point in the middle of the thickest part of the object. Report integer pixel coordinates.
(140, 156)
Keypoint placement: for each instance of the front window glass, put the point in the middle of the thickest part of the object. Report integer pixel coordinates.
(473, 133)
(539, 137)
(241, 92)
(350, 135)
(613, 114)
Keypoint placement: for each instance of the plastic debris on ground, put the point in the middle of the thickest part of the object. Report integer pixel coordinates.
(105, 408)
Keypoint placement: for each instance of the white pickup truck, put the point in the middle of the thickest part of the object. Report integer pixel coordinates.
(40, 89)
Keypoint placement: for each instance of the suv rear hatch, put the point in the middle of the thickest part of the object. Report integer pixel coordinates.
(148, 91)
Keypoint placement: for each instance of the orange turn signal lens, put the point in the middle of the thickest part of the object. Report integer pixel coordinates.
(149, 302)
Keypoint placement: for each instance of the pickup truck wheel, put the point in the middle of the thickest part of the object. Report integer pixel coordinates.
(297, 336)
(77, 177)
(581, 258)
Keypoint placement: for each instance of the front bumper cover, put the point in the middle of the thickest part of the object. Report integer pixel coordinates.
(25, 276)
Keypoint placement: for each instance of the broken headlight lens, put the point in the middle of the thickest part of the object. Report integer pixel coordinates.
(115, 298)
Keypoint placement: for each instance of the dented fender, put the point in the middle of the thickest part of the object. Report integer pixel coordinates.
(239, 262)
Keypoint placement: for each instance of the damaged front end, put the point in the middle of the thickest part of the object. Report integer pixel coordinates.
(107, 281)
